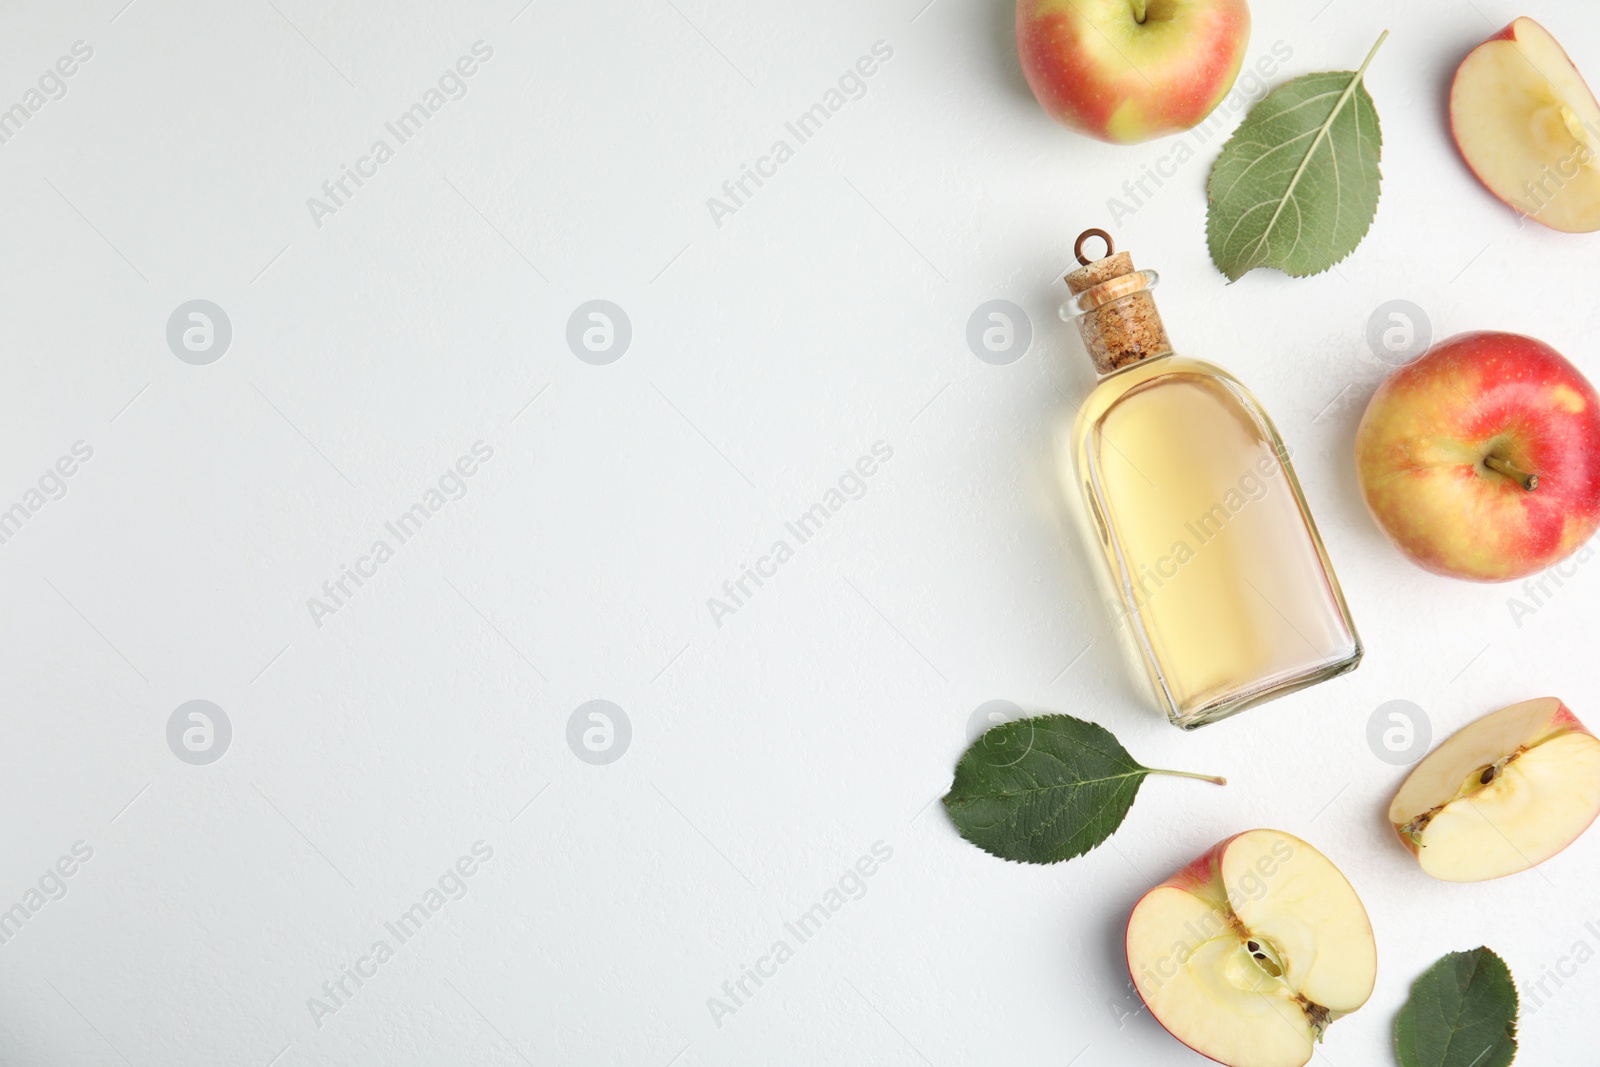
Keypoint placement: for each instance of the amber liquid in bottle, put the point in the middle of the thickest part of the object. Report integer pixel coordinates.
(1218, 578)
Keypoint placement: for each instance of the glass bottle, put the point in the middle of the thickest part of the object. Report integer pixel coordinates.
(1220, 584)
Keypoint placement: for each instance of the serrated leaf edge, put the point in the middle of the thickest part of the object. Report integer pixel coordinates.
(1140, 772)
(1305, 161)
(1476, 955)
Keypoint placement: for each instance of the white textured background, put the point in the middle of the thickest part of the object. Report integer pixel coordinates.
(770, 752)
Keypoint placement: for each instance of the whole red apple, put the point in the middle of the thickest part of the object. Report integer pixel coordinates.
(1130, 70)
(1481, 458)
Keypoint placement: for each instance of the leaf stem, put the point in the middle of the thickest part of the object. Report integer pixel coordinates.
(1375, 46)
(1213, 778)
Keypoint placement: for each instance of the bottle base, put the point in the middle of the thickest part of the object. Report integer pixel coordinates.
(1203, 713)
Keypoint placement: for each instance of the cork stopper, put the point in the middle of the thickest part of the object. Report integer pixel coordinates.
(1115, 311)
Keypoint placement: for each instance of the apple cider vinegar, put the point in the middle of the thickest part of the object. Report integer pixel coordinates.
(1219, 582)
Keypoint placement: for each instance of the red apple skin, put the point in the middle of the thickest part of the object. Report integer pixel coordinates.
(1129, 95)
(1509, 33)
(1201, 872)
(1564, 722)
(1421, 446)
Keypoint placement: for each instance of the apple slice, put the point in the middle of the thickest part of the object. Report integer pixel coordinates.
(1529, 127)
(1247, 954)
(1503, 794)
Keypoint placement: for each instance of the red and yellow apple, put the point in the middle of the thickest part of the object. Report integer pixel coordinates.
(1130, 70)
(1503, 794)
(1481, 458)
(1250, 952)
(1529, 127)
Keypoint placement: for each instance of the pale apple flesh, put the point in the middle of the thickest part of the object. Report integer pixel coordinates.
(1529, 127)
(1481, 458)
(1249, 953)
(1129, 70)
(1503, 794)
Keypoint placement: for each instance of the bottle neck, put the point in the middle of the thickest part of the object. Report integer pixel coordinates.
(1116, 313)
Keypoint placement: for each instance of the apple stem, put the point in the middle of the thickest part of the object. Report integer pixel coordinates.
(1138, 10)
(1530, 482)
(1212, 778)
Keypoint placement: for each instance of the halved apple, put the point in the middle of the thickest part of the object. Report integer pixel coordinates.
(1529, 127)
(1247, 954)
(1503, 794)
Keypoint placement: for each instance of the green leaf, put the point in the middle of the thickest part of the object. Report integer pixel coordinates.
(1462, 1013)
(1045, 789)
(1296, 186)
